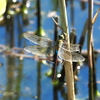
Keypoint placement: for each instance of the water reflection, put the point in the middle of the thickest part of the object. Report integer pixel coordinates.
(39, 65)
(10, 78)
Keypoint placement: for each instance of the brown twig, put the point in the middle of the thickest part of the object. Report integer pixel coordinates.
(95, 16)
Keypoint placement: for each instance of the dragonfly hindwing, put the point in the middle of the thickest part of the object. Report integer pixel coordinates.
(40, 51)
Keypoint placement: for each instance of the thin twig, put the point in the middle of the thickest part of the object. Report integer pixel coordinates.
(95, 16)
(58, 25)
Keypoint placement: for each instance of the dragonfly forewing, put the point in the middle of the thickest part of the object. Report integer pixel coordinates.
(40, 51)
(45, 42)
(72, 48)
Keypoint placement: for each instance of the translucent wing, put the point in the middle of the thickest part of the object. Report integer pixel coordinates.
(70, 56)
(46, 48)
(38, 40)
(76, 57)
(47, 42)
(64, 55)
(73, 47)
(40, 51)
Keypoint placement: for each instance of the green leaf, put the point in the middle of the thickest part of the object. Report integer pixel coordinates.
(2, 6)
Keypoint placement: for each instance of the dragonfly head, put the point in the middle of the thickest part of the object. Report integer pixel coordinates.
(61, 37)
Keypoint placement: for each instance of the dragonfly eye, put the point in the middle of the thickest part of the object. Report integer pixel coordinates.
(61, 37)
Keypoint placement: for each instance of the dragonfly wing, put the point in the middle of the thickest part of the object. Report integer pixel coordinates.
(39, 50)
(38, 40)
(76, 57)
(64, 55)
(73, 47)
(70, 56)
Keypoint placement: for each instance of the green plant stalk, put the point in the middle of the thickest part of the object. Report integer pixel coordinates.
(67, 65)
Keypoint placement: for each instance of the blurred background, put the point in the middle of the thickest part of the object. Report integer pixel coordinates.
(24, 76)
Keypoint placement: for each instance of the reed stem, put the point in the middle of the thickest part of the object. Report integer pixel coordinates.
(90, 50)
(67, 65)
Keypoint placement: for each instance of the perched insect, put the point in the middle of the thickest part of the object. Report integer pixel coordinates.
(45, 47)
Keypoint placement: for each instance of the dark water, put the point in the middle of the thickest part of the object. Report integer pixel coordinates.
(26, 79)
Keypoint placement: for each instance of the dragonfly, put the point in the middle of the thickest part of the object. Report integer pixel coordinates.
(45, 47)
